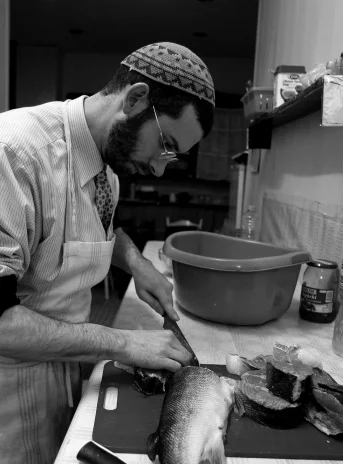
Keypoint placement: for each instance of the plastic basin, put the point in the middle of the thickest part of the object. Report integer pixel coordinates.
(231, 280)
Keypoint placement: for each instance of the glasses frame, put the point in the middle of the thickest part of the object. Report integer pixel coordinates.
(160, 130)
(166, 154)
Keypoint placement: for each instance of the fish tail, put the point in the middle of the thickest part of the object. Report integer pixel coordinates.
(214, 450)
(152, 446)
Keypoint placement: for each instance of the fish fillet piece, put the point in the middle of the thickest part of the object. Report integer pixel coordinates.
(330, 400)
(256, 377)
(146, 381)
(321, 378)
(149, 381)
(265, 408)
(238, 365)
(284, 353)
(288, 380)
(295, 353)
(327, 422)
(260, 361)
(193, 419)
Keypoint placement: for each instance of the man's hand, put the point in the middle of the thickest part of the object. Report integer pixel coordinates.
(153, 288)
(152, 349)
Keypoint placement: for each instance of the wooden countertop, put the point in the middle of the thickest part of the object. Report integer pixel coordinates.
(210, 342)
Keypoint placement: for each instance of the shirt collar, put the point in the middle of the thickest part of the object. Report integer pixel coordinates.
(86, 156)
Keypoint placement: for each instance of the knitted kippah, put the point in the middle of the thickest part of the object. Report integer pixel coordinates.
(175, 65)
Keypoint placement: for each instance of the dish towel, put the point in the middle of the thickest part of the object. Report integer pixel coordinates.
(104, 197)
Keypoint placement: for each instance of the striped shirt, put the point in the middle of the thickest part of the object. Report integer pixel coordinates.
(33, 188)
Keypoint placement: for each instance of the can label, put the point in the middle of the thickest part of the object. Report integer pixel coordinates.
(315, 300)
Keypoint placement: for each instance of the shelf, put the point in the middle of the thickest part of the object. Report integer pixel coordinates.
(305, 103)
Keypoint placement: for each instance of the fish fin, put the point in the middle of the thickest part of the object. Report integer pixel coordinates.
(229, 380)
(214, 449)
(152, 446)
(228, 389)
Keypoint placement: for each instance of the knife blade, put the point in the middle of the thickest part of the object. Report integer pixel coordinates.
(169, 324)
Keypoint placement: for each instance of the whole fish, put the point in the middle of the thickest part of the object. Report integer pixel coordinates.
(193, 420)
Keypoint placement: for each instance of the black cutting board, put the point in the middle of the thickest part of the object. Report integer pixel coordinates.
(125, 429)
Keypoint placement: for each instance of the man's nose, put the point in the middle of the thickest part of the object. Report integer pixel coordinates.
(157, 167)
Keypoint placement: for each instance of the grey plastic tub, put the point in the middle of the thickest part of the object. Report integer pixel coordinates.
(231, 280)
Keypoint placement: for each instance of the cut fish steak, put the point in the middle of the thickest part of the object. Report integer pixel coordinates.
(265, 408)
(281, 390)
(288, 380)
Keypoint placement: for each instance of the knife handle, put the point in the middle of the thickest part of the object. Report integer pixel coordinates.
(91, 453)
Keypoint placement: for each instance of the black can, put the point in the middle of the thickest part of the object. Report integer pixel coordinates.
(319, 293)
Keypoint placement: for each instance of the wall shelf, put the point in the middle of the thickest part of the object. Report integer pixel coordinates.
(305, 103)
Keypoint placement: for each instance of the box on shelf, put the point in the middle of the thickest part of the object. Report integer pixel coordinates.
(287, 83)
(257, 101)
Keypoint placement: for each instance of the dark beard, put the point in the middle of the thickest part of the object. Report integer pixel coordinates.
(122, 144)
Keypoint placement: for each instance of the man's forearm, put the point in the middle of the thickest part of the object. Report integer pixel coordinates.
(125, 252)
(29, 336)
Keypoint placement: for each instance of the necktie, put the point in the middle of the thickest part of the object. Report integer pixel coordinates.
(103, 197)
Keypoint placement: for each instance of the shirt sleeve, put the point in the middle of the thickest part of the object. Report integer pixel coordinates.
(17, 213)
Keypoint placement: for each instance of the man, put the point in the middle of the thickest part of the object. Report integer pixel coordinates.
(57, 241)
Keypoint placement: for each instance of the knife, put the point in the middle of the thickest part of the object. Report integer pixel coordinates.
(169, 324)
(93, 453)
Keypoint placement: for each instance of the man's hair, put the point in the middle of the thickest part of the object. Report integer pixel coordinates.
(167, 99)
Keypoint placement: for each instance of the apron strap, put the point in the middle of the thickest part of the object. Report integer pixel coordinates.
(70, 222)
(68, 386)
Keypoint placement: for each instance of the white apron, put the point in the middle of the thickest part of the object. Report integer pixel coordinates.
(36, 398)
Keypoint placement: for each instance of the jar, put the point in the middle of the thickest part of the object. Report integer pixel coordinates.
(318, 301)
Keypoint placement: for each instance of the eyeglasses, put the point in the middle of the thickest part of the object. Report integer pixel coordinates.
(166, 155)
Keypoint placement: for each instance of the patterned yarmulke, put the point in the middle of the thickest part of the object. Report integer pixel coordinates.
(174, 65)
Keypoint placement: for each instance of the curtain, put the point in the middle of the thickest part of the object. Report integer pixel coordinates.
(295, 222)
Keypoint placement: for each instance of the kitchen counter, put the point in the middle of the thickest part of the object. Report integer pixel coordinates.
(210, 342)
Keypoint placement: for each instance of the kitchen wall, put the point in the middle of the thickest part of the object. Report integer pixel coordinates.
(299, 188)
(296, 32)
(4, 54)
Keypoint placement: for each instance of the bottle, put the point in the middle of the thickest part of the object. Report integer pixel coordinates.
(337, 338)
(248, 224)
(318, 300)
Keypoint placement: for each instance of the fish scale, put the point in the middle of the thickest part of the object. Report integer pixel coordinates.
(193, 419)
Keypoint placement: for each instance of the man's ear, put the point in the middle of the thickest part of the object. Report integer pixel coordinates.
(136, 99)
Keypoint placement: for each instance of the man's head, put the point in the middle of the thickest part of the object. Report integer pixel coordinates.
(161, 86)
